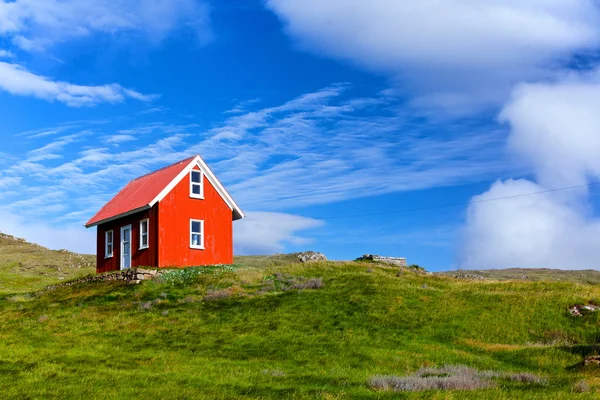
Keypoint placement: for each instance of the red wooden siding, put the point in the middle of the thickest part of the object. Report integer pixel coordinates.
(139, 258)
(175, 212)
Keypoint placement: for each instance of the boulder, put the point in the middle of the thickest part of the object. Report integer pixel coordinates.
(399, 261)
(311, 256)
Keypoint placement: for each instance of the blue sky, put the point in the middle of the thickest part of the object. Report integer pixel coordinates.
(327, 121)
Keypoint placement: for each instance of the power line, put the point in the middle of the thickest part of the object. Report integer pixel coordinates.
(460, 204)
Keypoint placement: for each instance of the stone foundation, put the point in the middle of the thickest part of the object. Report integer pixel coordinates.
(132, 276)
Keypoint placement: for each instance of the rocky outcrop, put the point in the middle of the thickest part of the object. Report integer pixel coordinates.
(311, 256)
(399, 261)
(133, 276)
(578, 310)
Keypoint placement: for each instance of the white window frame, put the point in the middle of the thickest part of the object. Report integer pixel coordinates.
(106, 243)
(201, 233)
(201, 184)
(147, 221)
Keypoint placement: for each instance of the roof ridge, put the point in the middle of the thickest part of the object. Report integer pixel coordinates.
(161, 169)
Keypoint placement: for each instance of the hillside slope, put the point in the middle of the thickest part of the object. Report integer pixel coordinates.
(26, 267)
(589, 276)
(303, 331)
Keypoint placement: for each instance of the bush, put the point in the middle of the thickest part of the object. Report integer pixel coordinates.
(312, 283)
(451, 377)
(582, 387)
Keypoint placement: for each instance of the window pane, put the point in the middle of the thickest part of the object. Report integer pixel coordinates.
(109, 237)
(195, 240)
(126, 235)
(109, 249)
(196, 176)
(195, 189)
(144, 227)
(145, 240)
(195, 227)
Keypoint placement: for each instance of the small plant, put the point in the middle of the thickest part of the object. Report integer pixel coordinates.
(186, 276)
(312, 283)
(581, 387)
(273, 372)
(527, 377)
(213, 295)
(451, 377)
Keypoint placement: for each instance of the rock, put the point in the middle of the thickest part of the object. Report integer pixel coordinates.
(577, 309)
(399, 261)
(311, 256)
(592, 360)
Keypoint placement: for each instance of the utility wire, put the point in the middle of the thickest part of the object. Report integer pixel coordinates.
(459, 204)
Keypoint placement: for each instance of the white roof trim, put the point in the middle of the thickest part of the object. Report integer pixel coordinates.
(238, 213)
(125, 214)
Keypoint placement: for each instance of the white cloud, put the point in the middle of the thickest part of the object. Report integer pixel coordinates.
(118, 139)
(448, 50)
(540, 231)
(17, 80)
(268, 232)
(34, 25)
(556, 131)
(6, 54)
(73, 237)
(556, 128)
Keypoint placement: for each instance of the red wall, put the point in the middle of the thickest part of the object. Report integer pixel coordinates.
(146, 257)
(175, 212)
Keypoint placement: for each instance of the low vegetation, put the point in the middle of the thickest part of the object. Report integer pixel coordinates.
(26, 267)
(283, 329)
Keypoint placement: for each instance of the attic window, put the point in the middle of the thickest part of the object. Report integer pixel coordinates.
(144, 234)
(196, 186)
(108, 244)
(196, 234)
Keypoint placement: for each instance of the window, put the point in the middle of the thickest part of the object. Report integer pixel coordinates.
(196, 234)
(108, 244)
(196, 186)
(144, 244)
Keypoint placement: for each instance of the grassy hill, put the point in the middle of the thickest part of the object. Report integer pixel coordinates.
(589, 276)
(275, 328)
(26, 267)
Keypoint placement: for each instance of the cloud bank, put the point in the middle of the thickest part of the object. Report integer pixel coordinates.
(555, 129)
(452, 53)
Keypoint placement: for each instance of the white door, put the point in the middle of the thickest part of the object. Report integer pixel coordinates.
(126, 247)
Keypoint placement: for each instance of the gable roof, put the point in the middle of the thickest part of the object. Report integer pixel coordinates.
(144, 192)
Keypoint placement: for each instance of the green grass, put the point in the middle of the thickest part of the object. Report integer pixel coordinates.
(542, 274)
(26, 267)
(243, 332)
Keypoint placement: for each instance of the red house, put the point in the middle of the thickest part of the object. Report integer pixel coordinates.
(178, 216)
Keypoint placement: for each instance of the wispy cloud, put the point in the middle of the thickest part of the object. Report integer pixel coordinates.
(319, 148)
(6, 54)
(17, 80)
(35, 25)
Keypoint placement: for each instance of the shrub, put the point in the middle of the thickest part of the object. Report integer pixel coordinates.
(582, 387)
(217, 295)
(450, 377)
(527, 377)
(312, 283)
